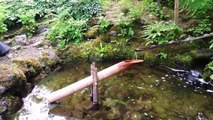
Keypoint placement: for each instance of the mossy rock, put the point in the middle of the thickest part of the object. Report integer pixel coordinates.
(151, 58)
(92, 33)
(10, 76)
(28, 64)
(183, 60)
(13, 103)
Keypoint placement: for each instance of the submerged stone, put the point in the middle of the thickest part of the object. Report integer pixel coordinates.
(132, 116)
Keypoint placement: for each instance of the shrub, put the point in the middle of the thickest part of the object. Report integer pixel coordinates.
(160, 33)
(3, 26)
(81, 9)
(203, 27)
(66, 31)
(126, 28)
(104, 25)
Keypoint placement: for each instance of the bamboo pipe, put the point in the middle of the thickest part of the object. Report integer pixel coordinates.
(61, 93)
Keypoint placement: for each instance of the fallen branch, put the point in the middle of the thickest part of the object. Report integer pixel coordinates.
(174, 42)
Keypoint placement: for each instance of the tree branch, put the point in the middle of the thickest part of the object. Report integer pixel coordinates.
(174, 42)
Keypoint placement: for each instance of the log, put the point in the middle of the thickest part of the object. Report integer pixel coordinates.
(174, 42)
(81, 84)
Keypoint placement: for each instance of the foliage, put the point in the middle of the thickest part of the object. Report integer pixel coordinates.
(160, 33)
(70, 24)
(203, 27)
(126, 28)
(163, 55)
(211, 44)
(154, 8)
(79, 10)
(3, 26)
(196, 7)
(65, 31)
(104, 25)
(101, 50)
(209, 68)
(133, 9)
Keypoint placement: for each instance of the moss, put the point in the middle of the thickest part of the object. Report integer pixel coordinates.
(25, 63)
(92, 33)
(9, 72)
(183, 60)
(150, 58)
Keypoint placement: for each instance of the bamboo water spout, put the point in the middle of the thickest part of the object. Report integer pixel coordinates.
(121, 66)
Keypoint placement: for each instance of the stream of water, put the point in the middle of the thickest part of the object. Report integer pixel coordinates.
(140, 93)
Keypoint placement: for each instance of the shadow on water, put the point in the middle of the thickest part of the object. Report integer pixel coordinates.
(138, 93)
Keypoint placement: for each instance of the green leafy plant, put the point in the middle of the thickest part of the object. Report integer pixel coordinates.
(196, 7)
(104, 24)
(154, 8)
(126, 28)
(203, 27)
(83, 9)
(28, 21)
(208, 71)
(66, 31)
(163, 55)
(101, 50)
(160, 33)
(3, 26)
(211, 44)
(135, 12)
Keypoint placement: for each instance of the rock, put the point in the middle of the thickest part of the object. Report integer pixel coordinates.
(9, 41)
(78, 114)
(38, 44)
(21, 40)
(42, 28)
(92, 33)
(113, 33)
(148, 106)
(132, 116)
(17, 47)
(3, 49)
(114, 113)
(135, 105)
(3, 89)
(30, 65)
(87, 104)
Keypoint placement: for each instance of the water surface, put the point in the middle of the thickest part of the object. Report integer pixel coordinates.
(141, 92)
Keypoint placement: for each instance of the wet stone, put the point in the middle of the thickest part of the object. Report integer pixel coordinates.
(21, 40)
(114, 113)
(87, 104)
(135, 105)
(132, 116)
(78, 114)
(148, 105)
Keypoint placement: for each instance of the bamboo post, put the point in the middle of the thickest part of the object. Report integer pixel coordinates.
(176, 12)
(79, 85)
(95, 86)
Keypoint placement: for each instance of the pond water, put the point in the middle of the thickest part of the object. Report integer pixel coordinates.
(140, 93)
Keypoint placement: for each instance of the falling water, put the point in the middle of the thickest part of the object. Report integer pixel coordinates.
(37, 108)
(136, 55)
